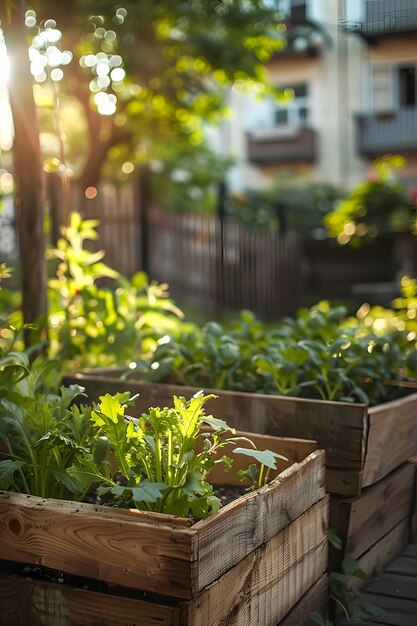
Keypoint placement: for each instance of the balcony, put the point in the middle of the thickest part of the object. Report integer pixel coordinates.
(391, 131)
(282, 145)
(388, 17)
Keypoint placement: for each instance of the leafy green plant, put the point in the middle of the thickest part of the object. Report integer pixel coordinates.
(41, 433)
(91, 324)
(287, 204)
(320, 353)
(377, 206)
(207, 357)
(348, 598)
(161, 461)
(325, 355)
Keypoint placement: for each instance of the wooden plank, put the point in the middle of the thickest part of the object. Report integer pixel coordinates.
(28, 602)
(264, 587)
(82, 542)
(413, 520)
(361, 521)
(392, 605)
(383, 551)
(394, 585)
(403, 565)
(344, 483)
(250, 518)
(314, 600)
(392, 437)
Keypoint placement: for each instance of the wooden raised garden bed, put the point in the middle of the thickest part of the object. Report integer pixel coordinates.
(252, 562)
(363, 444)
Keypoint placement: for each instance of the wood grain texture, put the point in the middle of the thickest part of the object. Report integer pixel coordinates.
(78, 540)
(265, 586)
(360, 522)
(250, 521)
(259, 590)
(315, 600)
(133, 551)
(27, 602)
(383, 551)
(392, 437)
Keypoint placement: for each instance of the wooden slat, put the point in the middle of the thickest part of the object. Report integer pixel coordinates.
(268, 583)
(395, 585)
(360, 522)
(392, 437)
(26, 602)
(83, 543)
(250, 520)
(393, 606)
(403, 565)
(315, 600)
(383, 551)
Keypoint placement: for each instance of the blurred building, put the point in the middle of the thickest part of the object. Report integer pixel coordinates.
(351, 69)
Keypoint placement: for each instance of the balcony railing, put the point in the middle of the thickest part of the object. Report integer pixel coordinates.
(282, 145)
(391, 131)
(389, 17)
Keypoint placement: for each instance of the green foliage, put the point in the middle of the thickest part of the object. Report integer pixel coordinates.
(162, 460)
(322, 356)
(173, 62)
(209, 357)
(285, 205)
(377, 206)
(320, 353)
(349, 599)
(41, 434)
(185, 178)
(91, 324)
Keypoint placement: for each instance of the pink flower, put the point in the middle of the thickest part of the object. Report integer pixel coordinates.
(412, 192)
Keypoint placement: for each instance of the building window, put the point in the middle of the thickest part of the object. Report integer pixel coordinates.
(407, 86)
(295, 111)
(393, 86)
(293, 9)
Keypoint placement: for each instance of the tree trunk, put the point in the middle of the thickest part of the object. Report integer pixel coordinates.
(27, 168)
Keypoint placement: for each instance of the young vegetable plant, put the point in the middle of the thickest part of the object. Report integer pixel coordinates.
(41, 435)
(161, 461)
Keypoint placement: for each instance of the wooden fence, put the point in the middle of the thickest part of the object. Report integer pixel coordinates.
(208, 262)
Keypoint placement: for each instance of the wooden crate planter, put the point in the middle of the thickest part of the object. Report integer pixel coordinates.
(363, 444)
(250, 562)
(375, 526)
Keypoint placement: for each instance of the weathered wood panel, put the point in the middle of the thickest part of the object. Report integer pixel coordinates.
(132, 551)
(361, 521)
(267, 584)
(28, 602)
(392, 437)
(259, 590)
(315, 600)
(383, 551)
